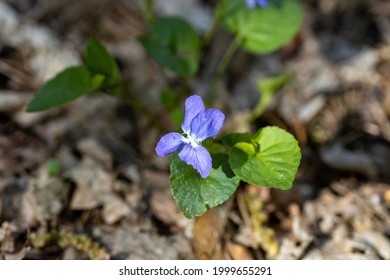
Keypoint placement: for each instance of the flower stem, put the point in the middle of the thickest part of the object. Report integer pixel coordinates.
(209, 34)
(222, 68)
(149, 14)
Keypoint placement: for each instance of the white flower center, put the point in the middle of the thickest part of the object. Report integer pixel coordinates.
(192, 141)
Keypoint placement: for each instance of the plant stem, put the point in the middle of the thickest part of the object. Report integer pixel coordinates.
(149, 14)
(209, 34)
(222, 68)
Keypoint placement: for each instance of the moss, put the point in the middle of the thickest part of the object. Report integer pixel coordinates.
(65, 239)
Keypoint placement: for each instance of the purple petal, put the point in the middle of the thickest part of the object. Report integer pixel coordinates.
(169, 143)
(207, 124)
(251, 4)
(262, 3)
(193, 106)
(198, 157)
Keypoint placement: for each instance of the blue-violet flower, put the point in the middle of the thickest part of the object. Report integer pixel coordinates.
(251, 4)
(199, 124)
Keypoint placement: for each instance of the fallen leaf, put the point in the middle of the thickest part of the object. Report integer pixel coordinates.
(239, 252)
(114, 209)
(207, 234)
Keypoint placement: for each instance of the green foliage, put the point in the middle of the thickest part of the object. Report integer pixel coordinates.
(174, 44)
(97, 82)
(195, 195)
(170, 102)
(268, 89)
(176, 116)
(65, 87)
(100, 72)
(262, 31)
(270, 160)
(168, 99)
(102, 65)
(271, 85)
(233, 138)
(53, 167)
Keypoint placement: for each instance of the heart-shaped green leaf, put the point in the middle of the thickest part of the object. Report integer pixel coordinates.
(174, 44)
(193, 194)
(271, 160)
(262, 30)
(68, 85)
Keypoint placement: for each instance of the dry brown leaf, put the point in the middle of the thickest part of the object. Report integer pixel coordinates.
(50, 193)
(165, 209)
(292, 250)
(130, 241)
(207, 239)
(91, 148)
(93, 183)
(378, 241)
(11, 101)
(114, 208)
(238, 252)
(18, 255)
(387, 196)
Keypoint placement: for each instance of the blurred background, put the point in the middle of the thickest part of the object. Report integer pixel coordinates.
(82, 181)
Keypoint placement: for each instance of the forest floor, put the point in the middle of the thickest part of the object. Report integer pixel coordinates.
(82, 181)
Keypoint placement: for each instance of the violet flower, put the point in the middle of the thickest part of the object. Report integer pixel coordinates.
(199, 124)
(251, 4)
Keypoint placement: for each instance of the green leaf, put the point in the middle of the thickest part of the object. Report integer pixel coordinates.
(268, 88)
(100, 62)
(272, 85)
(96, 82)
(271, 160)
(53, 167)
(262, 30)
(214, 147)
(234, 138)
(176, 115)
(193, 194)
(168, 98)
(174, 44)
(68, 85)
